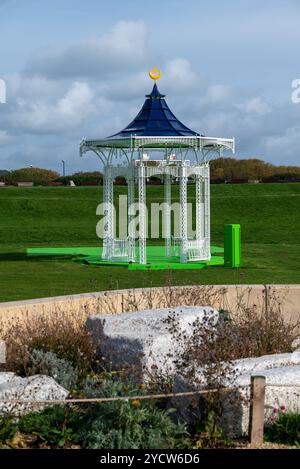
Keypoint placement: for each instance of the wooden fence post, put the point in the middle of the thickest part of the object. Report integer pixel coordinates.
(257, 406)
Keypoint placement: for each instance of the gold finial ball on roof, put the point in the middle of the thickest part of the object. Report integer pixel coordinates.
(155, 74)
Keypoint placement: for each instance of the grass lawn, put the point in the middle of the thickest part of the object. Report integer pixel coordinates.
(65, 216)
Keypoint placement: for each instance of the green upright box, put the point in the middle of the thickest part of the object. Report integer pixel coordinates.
(232, 246)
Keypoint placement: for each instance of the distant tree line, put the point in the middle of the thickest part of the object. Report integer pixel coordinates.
(231, 169)
(46, 177)
(223, 170)
(39, 176)
(93, 178)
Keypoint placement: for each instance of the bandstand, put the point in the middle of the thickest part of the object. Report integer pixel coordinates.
(156, 143)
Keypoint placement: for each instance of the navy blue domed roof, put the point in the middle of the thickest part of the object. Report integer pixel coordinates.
(155, 119)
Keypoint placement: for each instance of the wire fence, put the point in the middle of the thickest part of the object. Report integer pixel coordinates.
(113, 398)
(136, 397)
(257, 403)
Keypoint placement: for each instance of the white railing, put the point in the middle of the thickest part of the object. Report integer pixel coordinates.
(120, 248)
(196, 250)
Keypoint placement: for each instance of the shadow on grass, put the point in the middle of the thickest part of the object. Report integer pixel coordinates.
(21, 256)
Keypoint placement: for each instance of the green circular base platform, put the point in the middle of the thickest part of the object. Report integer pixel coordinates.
(156, 258)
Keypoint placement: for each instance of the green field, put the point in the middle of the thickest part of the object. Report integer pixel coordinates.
(64, 216)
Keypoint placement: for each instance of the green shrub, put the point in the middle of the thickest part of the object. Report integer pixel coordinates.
(137, 424)
(55, 426)
(128, 424)
(83, 178)
(8, 428)
(210, 435)
(38, 176)
(285, 430)
(48, 363)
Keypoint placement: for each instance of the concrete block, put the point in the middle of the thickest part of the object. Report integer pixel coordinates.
(37, 387)
(282, 374)
(143, 340)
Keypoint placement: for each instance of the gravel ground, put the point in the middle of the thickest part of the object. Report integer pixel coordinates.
(245, 445)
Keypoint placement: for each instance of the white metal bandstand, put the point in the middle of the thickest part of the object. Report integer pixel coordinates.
(183, 154)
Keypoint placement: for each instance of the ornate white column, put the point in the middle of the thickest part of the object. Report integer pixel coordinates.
(199, 207)
(167, 213)
(108, 236)
(183, 212)
(131, 215)
(142, 213)
(207, 210)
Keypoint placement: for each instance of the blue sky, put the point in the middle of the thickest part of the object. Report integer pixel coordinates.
(75, 69)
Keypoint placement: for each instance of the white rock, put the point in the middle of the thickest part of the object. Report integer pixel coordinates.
(267, 362)
(296, 357)
(143, 339)
(282, 374)
(36, 387)
(296, 344)
(2, 352)
(282, 390)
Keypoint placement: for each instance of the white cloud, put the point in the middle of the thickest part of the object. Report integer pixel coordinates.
(74, 101)
(96, 87)
(177, 78)
(255, 105)
(30, 88)
(218, 93)
(124, 47)
(285, 144)
(181, 71)
(65, 112)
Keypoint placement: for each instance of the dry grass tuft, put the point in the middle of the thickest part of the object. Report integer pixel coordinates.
(63, 334)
